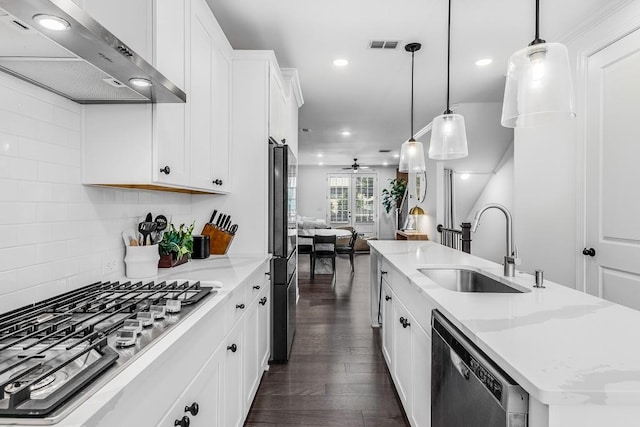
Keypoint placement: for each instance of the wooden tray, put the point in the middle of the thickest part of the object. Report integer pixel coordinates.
(219, 240)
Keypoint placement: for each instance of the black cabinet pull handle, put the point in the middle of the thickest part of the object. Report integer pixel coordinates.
(256, 287)
(263, 301)
(404, 322)
(183, 422)
(383, 272)
(217, 181)
(193, 409)
(166, 170)
(268, 273)
(233, 348)
(387, 298)
(240, 306)
(589, 252)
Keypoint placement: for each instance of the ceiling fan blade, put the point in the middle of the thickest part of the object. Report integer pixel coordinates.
(364, 167)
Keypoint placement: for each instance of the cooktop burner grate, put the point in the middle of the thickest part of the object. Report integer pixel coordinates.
(51, 349)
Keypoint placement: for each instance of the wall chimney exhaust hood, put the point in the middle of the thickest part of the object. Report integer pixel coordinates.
(56, 45)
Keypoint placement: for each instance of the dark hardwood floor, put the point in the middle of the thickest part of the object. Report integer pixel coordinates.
(336, 375)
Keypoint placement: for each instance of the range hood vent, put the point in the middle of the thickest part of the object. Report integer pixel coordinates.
(84, 62)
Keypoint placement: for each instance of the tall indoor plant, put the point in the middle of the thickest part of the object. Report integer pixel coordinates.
(392, 196)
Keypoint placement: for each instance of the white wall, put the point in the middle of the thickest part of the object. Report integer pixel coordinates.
(312, 194)
(57, 234)
(489, 241)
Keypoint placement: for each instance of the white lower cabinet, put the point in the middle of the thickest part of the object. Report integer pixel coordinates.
(250, 354)
(233, 377)
(264, 328)
(407, 350)
(386, 309)
(420, 413)
(202, 403)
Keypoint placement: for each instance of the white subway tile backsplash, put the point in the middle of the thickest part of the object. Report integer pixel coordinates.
(23, 169)
(17, 257)
(55, 233)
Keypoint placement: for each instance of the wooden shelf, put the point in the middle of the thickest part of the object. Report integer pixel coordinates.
(411, 235)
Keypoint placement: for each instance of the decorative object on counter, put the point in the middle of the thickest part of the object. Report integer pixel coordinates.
(448, 135)
(412, 219)
(176, 246)
(141, 261)
(145, 228)
(220, 234)
(539, 90)
(201, 247)
(412, 151)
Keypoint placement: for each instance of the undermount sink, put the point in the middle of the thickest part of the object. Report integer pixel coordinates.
(464, 280)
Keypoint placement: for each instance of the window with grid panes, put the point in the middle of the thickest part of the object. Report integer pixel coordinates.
(339, 199)
(364, 199)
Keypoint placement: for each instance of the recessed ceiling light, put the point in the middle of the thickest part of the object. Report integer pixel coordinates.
(385, 163)
(340, 62)
(51, 22)
(140, 82)
(320, 164)
(319, 155)
(484, 62)
(345, 133)
(465, 176)
(395, 156)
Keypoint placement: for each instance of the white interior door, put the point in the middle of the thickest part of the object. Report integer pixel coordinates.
(353, 201)
(612, 183)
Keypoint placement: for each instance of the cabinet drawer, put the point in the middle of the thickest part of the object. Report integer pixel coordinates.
(256, 283)
(417, 303)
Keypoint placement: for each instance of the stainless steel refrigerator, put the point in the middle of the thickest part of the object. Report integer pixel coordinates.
(282, 246)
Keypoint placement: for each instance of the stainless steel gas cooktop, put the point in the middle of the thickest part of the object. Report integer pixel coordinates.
(52, 352)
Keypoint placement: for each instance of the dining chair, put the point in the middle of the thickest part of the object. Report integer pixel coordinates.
(323, 247)
(305, 247)
(349, 249)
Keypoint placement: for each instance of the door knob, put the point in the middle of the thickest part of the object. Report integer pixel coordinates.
(589, 252)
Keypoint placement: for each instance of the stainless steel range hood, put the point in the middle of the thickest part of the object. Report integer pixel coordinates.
(84, 62)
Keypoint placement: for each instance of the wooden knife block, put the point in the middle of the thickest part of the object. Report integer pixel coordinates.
(219, 240)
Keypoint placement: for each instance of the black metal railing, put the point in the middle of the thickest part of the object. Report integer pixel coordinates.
(456, 239)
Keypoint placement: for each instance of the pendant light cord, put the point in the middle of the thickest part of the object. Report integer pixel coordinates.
(537, 40)
(448, 111)
(412, 60)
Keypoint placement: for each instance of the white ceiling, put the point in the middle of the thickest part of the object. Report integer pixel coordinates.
(370, 97)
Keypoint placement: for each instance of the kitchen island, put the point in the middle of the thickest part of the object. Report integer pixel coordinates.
(205, 370)
(576, 355)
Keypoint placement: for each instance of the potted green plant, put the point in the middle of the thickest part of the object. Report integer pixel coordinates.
(392, 196)
(176, 246)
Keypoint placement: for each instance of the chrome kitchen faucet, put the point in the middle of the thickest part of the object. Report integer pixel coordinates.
(511, 258)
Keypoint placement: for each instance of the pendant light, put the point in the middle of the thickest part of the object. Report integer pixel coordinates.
(448, 135)
(539, 90)
(412, 151)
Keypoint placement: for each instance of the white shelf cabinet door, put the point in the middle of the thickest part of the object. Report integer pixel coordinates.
(233, 377)
(171, 145)
(387, 323)
(221, 152)
(206, 390)
(420, 413)
(276, 106)
(201, 94)
(402, 353)
(264, 328)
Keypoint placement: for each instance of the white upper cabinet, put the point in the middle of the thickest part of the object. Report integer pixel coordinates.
(174, 147)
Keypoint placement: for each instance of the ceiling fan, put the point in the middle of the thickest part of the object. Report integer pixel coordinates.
(355, 166)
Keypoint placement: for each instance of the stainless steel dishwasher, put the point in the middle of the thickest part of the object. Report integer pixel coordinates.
(468, 389)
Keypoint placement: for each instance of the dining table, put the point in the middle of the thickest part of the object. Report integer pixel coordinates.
(305, 237)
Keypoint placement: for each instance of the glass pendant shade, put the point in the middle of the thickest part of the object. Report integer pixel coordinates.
(539, 90)
(448, 138)
(412, 157)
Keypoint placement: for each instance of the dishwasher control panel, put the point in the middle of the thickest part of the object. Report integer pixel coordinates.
(486, 378)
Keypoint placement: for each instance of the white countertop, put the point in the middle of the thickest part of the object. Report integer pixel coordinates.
(230, 271)
(563, 346)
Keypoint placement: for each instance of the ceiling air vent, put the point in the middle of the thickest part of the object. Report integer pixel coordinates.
(384, 151)
(305, 130)
(383, 44)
